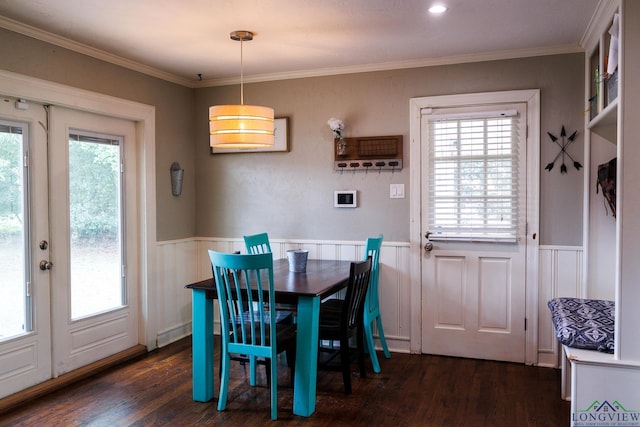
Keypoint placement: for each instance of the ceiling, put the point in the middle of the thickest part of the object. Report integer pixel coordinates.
(187, 41)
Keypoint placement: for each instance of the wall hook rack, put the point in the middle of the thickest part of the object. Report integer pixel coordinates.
(362, 153)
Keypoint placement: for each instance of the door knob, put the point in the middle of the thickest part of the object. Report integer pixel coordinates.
(428, 247)
(45, 265)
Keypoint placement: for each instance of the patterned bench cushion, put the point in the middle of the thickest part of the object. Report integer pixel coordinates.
(584, 323)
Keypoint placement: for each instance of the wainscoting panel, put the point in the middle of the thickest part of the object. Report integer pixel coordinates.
(177, 264)
(560, 275)
(186, 261)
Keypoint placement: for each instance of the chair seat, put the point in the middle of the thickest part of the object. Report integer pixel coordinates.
(285, 334)
(282, 316)
(333, 304)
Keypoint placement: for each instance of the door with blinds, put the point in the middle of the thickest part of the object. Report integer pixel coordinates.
(473, 204)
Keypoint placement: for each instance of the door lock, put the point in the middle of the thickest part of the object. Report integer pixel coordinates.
(46, 265)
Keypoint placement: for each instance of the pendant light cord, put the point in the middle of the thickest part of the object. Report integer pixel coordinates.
(241, 74)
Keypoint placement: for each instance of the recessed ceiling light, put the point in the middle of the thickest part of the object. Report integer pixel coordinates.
(438, 8)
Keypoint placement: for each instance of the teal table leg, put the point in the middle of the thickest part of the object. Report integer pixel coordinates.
(304, 389)
(202, 346)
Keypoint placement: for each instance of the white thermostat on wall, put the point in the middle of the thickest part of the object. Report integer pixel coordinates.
(345, 199)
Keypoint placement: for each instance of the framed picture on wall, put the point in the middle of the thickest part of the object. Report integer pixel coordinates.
(281, 143)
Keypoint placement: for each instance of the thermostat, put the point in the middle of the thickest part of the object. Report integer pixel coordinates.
(345, 199)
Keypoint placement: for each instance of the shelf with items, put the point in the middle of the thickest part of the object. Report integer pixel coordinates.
(603, 70)
(601, 145)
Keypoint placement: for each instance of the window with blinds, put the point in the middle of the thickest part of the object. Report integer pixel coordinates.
(473, 177)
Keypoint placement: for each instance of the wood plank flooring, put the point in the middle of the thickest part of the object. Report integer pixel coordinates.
(411, 390)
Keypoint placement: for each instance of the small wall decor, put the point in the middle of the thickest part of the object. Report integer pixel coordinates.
(281, 140)
(563, 142)
(177, 175)
(337, 126)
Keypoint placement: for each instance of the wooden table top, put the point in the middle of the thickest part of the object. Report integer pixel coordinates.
(321, 279)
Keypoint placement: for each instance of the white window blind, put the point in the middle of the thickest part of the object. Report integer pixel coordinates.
(473, 177)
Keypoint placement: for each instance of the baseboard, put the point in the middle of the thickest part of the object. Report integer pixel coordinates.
(13, 401)
(173, 334)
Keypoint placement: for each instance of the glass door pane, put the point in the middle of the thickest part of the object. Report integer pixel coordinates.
(95, 224)
(14, 300)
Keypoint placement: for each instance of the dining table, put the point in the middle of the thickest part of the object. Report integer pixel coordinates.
(321, 279)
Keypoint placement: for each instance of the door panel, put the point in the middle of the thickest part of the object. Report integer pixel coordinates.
(84, 328)
(474, 291)
(25, 337)
(472, 307)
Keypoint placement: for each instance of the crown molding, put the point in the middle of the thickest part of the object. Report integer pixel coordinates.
(397, 65)
(599, 21)
(45, 36)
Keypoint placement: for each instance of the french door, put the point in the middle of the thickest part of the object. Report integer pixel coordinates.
(72, 290)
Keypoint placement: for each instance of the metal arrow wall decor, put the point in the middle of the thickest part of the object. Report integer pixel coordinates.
(563, 142)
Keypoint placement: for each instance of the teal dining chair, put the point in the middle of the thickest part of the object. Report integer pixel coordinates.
(372, 304)
(257, 243)
(245, 286)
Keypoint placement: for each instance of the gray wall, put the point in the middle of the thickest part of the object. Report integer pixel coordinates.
(173, 103)
(290, 195)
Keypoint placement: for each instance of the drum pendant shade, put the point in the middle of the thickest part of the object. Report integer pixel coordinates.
(241, 126)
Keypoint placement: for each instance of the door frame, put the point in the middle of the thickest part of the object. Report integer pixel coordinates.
(42, 91)
(532, 99)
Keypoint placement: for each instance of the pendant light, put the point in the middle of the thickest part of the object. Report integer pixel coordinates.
(241, 126)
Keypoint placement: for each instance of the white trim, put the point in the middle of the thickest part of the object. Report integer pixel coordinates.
(29, 88)
(532, 98)
(396, 65)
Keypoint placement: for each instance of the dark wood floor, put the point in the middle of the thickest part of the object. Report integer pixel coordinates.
(411, 390)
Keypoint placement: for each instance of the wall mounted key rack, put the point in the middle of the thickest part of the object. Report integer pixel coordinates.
(369, 153)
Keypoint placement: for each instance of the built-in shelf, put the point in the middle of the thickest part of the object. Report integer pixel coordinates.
(606, 122)
(596, 357)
